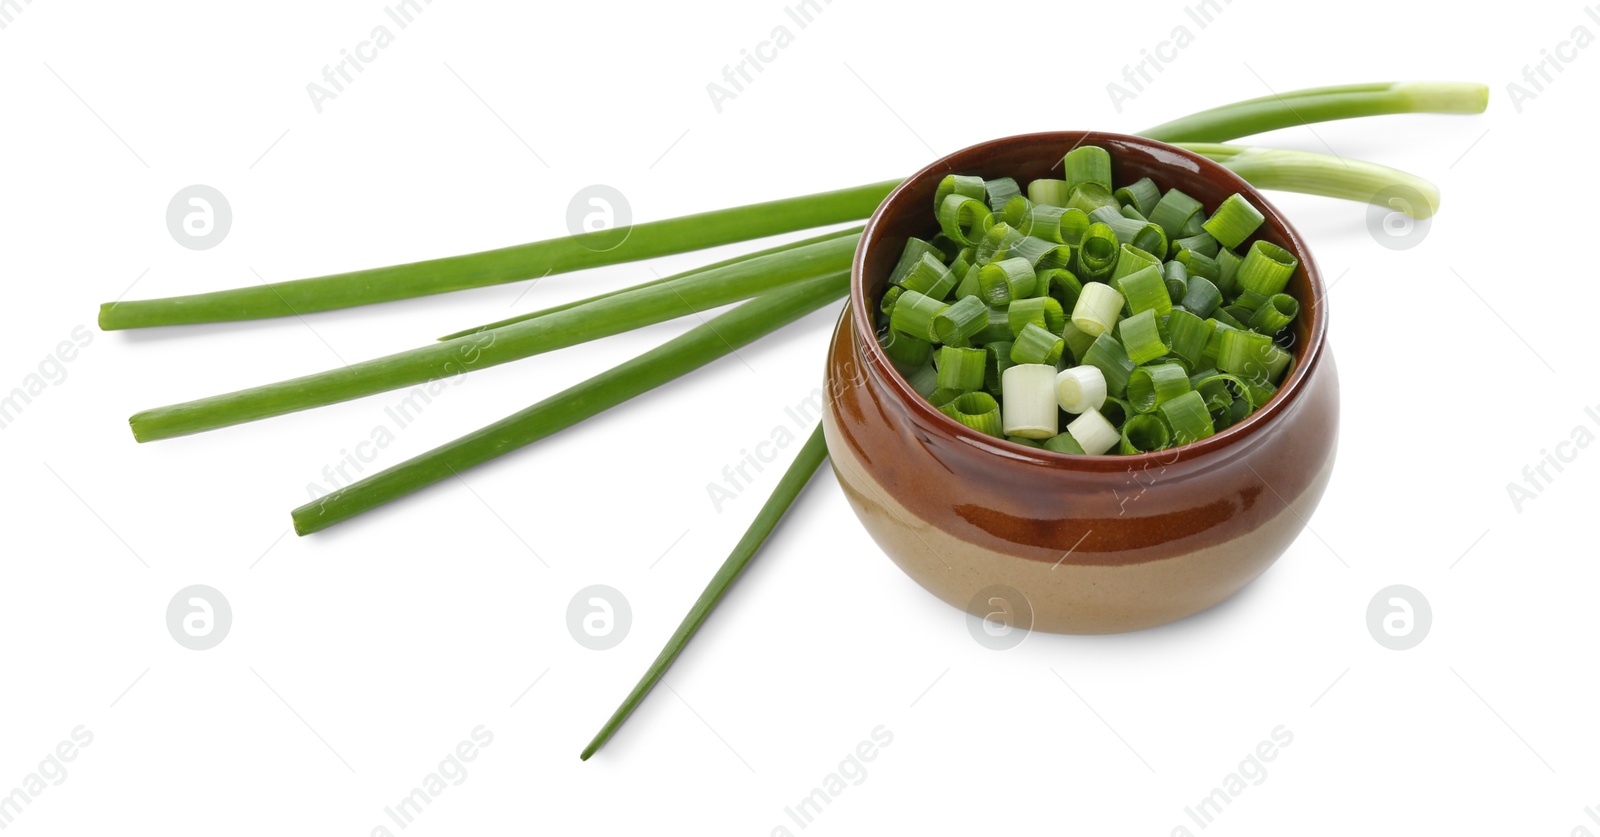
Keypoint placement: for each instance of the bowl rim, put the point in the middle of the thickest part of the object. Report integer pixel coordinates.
(1304, 362)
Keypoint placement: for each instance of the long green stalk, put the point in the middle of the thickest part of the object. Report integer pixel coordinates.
(695, 348)
(1323, 174)
(544, 312)
(794, 480)
(693, 232)
(1321, 104)
(601, 318)
(507, 264)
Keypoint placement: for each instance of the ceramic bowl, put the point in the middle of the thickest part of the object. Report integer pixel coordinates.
(1074, 544)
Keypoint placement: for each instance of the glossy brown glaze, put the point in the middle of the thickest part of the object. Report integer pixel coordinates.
(906, 466)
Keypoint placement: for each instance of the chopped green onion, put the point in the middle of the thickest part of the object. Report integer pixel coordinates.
(1078, 341)
(1087, 164)
(998, 329)
(960, 322)
(924, 379)
(977, 410)
(1063, 443)
(1060, 285)
(1002, 281)
(1041, 254)
(1198, 264)
(1074, 225)
(1043, 311)
(1090, 196)
(928, 276)
(1017, 212)
(1042, 222)
(1142, 337)
(947, 247)
(1139, 234)
(913, 314)
(1115, 410)
(1176, 278)
(996, 361)
(965, 219)
(1151, 386)
(1029, 405)
(1097, 252)
(1278, 311)
(1144, 290)
(1266, 268)
(1173, 211)
(1113, 362)
(1201, 243)
(1142, 195)
(968, 286)
(905, 351)
(1098, 309)
(1186, 414)
(1093, 433)
(1036, 345)
(960, 368)
(1234, 221)
(1189, 335)
(1049, 192)
(910, 256)
(1144, 433)
(958, 184)
(1000, 191)
(891, 295)
(1202, 297)
(1131, 260)
(1025, 442)
(996, 241)
(1244, 353)
(1080, 388)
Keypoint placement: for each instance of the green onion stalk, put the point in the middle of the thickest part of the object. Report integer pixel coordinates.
(697, 347)
(683, 294)
(710, 229)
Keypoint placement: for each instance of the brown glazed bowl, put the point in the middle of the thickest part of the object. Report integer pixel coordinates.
(1061, 543)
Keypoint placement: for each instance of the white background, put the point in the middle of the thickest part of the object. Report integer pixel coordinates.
(358, 658)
